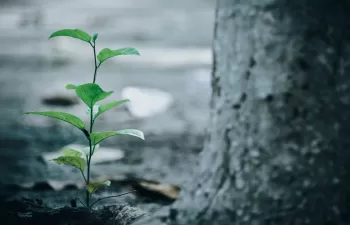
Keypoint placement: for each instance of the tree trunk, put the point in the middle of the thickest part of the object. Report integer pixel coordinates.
(278, 143)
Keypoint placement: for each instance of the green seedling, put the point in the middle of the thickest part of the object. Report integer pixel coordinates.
(90, 94)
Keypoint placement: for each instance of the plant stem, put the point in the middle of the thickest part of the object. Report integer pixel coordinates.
(113, 196)
(93, 45)
(88, 176)
(80, 202)
(82, 173)
(89, 158)
(95, 60)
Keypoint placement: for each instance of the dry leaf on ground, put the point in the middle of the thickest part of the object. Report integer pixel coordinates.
(156, 189)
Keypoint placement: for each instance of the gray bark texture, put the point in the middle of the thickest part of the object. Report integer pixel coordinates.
(279, 136)
(278, 145)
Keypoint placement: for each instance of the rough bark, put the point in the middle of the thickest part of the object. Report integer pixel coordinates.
(26, 212)
(278, 142)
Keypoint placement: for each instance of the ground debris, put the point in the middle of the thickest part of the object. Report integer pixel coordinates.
(25, 212)
(156, 190)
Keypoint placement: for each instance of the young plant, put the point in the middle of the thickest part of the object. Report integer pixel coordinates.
(90, 94)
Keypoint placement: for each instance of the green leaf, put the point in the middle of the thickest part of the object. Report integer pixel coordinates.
(97, 137)
(91, 93)
(75, 161)
(105, 107)
(107, 53)
(92, 187)
(69, 118)
(132, 132)
(71, 152)
(71, 86)
(94, 37)
(74, 33)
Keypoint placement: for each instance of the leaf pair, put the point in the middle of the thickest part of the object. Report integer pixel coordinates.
(104, 54)
(97, 137)
(74, 158)
(90, 94)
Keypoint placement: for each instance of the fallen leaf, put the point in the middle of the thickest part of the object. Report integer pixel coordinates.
(156, 189)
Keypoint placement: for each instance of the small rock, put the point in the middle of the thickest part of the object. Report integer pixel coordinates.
(146, 102)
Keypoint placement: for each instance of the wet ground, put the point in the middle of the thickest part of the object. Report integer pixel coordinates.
(174, 39)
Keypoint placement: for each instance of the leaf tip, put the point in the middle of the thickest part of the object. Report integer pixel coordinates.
(52, 35)
(70, 86)
(94, 37)
(141, 135)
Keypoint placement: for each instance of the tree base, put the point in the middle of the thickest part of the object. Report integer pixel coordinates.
(25, 212)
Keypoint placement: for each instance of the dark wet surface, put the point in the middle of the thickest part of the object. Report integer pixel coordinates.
(174, 39)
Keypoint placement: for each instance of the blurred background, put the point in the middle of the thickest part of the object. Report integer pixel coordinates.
(169, 86)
